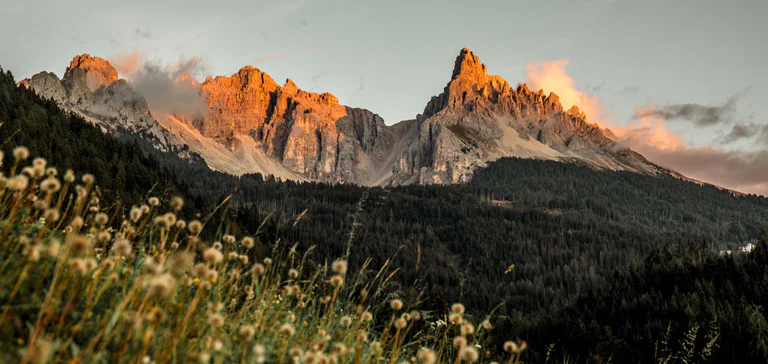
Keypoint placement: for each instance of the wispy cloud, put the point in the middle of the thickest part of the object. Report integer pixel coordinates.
(700, 115)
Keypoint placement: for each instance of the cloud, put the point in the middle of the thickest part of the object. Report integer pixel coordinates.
(628, 91)
(701, 115)
(647, 133)
(552, 77)
(171, 88)
(126, 63)
(143, 33)
(270, 56)
(747, 131)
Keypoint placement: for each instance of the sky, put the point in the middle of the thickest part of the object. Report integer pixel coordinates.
(684, 82)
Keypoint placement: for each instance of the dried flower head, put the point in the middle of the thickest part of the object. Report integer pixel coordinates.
(80, 244)
(258, 269)
(135, 214)
(179, 263)
(246, 332)
(293, 273)
(469, 354)
(177, 203)
(18, 182)
(455, 318)
(216, 320)
(467, 329)
(366, 316)
(195, 226)
(486, 325)
(181, 224)
(101, 219)
(457, 308)
(162, 285)
(426, 356)
(287, 329)
(88, 179)
(153, 201)
(122, 247)
(400, 323)
(510, 347)
(69, 176)
(345, 321)
(247, 242)
(51, 215)
(396, 304)
(20, 153)
(340, 266)
(337, 281)
(50, 184)
(459, 342)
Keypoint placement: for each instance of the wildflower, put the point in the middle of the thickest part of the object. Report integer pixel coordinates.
(216, 320)
(455, 318)
(217, 245)
(459, 342)
(469, 354)
(53, 248)
(69, 176)
(246, 332)
(457, 308)
(293, 273)
(144, 209)
(259, 350)
(88, 179)
(177, 203)
(181, 224)
(396, 304)
(153, 201)
(101, 219)
(400, 323)
(76, 222)
(90, 264)
(406, 316)
(170, 218)
(486, 325)
(103, 236)
(39, 162)
(340, 267)
(415, 315)
(32, 253)
(232, 256)
(51, 215)
(20, 153)
(200, 270)
(135, 214)
(510, 347)
(229, 239)
(346, 321)
(80, 244)
(522, 346)
(337, 281)
(267, 261)
(50, 184)
(212, 276)
(179, 263)
(18, 182)
(247, 242)
(195, 227)
(467, 329)
(427, 356)
(122, 247)
(51, 172)
(217, 345)
(243, 259)
(212, 256)
(204, 358)
(366, 316)
(258, 269)
(362, 336)
(295, 352)
(287, 329)
(162, 285)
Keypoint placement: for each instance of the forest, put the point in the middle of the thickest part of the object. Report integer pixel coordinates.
(600, 265)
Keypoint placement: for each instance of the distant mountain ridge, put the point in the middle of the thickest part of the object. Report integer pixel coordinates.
(254, 125)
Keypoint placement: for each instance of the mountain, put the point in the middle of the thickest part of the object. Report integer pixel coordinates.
(479, 118)
(251, 124)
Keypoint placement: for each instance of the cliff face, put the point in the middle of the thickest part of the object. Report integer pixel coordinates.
(91, 89)
(480, 117)
(309, 134)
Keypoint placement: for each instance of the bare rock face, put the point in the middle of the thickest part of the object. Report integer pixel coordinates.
(479, 118)
(307, 133)
(91, 89)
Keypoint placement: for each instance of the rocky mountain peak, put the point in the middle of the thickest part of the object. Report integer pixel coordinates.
(468, 66)
(98, 71)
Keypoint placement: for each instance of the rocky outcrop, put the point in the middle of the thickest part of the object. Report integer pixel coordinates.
(307, 133)
(91, 89)
(479, 118)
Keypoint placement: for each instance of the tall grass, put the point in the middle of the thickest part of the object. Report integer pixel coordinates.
(83, 282)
